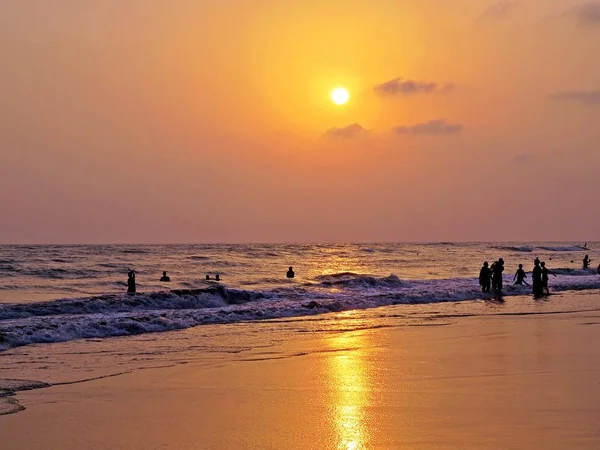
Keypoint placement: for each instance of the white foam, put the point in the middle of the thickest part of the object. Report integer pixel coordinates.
(121, 315)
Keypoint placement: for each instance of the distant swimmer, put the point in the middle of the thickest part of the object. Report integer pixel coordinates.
(165, 278)
(536, 276)
(207, 276)
(484, 277)
(520, 276)
(545, 272)
(497, 269)
(131, 282)
(586, 262)
(217, 277)
(290, 273)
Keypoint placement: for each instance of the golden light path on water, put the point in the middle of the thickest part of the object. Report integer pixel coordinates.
(351, 391)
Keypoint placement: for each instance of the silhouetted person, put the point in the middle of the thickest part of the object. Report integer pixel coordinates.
(165, 278)
(290, 273)
(520, 276)
(497, 270)
(131, 282)
(484, 277)
(536, 277)
(586, 262)
(207, 276)
(217, 277)
(545, 272)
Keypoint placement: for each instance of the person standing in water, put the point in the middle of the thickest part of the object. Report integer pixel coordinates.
(545, 277)
(290, 273)
(586, 262)
(131, 282)
(536, 276)
(484, 277)
(520, 276)
(498, 268)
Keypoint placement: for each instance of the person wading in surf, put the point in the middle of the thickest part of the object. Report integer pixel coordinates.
(545, 272)
(586, 262)
(497, 269)
(484, 277)
(536, 276)
(520, 277)
(131, 282)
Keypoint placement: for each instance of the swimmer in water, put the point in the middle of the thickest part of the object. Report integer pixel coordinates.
(165, 278)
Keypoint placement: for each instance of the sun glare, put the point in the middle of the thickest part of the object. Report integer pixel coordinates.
(340, 96)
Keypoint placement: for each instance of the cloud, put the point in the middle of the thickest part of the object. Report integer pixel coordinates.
(401, 86)
(584, 97)
(433, 127)
(589, 13)
(347, 132)
(586, 13)
(499, 10)
(522, 158)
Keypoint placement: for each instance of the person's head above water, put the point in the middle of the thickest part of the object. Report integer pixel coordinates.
(501, 261)
(164, 274)
(291, 268)
(485, 264)
(543, 264)
(536, 262)
(520, 266)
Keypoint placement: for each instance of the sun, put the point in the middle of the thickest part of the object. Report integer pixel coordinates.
(340, 96)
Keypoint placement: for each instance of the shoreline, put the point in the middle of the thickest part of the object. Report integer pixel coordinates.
(496, 381)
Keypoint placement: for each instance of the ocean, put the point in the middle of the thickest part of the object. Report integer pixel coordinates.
(51, 293)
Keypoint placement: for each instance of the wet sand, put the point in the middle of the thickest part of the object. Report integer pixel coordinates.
(498, 382)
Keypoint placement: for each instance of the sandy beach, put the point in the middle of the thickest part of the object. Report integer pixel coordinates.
(496, 382)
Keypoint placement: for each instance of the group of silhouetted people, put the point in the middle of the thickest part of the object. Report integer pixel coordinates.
(131, 287)
(491, 277)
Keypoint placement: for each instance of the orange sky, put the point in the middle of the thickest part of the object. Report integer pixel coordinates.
(210, 121)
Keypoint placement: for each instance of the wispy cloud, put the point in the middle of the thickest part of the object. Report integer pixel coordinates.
(402, 86)
(433, 127)
(586, 13)
(346, 132)
(522, 158)
(584, 97)
(499, 10)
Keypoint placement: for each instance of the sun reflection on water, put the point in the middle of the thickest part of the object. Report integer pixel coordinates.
(350, 386)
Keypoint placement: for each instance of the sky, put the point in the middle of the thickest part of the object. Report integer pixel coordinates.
(145, 121)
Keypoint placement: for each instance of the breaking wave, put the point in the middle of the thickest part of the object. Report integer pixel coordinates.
(569, 248)
(121, 315)
(349, 279)
(522, 248)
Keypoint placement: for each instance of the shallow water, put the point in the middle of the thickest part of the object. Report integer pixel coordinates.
(63, 293)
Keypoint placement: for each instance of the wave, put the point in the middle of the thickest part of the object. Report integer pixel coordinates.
(522, 248)
(569, 248)
(210, 297)
(350, 279)
(122, 315)
(575, 272)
